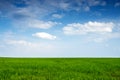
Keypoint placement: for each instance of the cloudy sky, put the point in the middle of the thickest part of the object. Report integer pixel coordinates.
(59, 28)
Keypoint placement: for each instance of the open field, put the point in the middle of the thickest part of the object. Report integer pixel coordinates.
(59, 68)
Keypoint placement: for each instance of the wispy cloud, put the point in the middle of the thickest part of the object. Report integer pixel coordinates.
(96, 2)
(27, 48)
(40, 24)
(64, 5)
(57, 16)
(26, 8)
(117, 4)
(102, 37)
(20, 43)
(35, 23)
(87, 8)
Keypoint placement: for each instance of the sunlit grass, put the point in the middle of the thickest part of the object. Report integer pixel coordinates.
(59, 68)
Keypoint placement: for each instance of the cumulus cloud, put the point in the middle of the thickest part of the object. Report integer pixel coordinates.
(44, 35)
(89, 27)
(95, 31)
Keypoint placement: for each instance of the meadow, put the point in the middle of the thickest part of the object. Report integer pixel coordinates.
(59, 68)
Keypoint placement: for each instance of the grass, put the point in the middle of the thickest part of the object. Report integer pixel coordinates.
(59, 68)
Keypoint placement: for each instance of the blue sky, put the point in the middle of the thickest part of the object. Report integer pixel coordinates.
(59, 28)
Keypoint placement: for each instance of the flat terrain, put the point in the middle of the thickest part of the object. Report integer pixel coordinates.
(59, 68)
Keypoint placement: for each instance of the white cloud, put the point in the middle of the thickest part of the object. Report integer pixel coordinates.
(57, 16)
(44, 35)
(89, 27)
(95, 31)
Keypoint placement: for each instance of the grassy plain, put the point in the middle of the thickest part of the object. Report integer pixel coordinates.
(59, 68)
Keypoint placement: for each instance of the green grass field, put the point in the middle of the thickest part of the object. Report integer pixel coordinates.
(59, 68)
